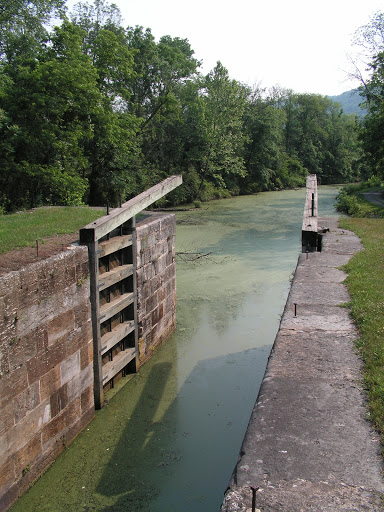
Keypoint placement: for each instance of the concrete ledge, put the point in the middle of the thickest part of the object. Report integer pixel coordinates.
(308, 445)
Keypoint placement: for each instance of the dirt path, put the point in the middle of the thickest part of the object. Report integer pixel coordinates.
(19, 258)
(374, 198)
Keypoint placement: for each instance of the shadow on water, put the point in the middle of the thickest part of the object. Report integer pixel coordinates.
(185, 452)
(122, 479)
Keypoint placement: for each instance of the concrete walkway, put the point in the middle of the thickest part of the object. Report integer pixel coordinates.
(308, 446)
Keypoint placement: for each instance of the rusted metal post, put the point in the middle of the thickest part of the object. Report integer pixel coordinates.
(254, 491)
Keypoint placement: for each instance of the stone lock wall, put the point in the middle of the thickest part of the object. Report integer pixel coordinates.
(46, 383)
(46, 348)
(156, 281)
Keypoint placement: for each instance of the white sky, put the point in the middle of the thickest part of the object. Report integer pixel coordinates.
(297, 44)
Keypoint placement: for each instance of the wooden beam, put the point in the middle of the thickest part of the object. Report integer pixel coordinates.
(95, 314)
(114, 276)
(118, 216)
(309, 231)
(114, 244)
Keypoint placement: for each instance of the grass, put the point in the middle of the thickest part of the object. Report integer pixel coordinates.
(24, 228)
(365, 283)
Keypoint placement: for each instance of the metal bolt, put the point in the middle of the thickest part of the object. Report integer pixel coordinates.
(295, 308)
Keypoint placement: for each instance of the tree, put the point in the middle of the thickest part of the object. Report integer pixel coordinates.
(371, 38)
(222, 102)
(264, 150)
(51, 101)
(23, 25)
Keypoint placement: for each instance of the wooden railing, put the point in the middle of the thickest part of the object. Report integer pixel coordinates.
(111, 242)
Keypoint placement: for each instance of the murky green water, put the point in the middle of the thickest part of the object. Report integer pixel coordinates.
(169, 440)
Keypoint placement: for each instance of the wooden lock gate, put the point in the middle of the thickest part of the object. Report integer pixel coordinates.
(111, 242)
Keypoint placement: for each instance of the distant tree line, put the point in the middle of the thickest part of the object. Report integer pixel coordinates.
(91, 111)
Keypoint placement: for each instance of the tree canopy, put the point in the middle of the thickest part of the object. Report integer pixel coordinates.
(92, 111)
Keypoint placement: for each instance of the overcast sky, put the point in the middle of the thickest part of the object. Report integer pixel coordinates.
(298, 44)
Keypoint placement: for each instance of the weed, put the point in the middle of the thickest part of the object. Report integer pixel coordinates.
(26, 470)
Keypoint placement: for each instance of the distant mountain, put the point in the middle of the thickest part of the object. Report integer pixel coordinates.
(349, 102)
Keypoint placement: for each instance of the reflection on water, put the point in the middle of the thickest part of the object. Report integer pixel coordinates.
(169, 440)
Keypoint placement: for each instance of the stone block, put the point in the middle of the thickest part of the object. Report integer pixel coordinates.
(27, 346)
(50, 383)
(86, 400)
(59, 400)
(149, 271)
(70, 367)
(7, 475)
(155, 316)
(169, 259)
(144, 291)
(86, 355)
(82, 314)
(26, 401)
(74, 412)
(82, 271)
(60, 326)
(43, 363)
(9, 283)
(155, 284)
(160, 264)
(12, 384)
(32, 423)
(25, 457)
(80, 383)
(53, 429)
(150, 304)
(77, 339)
(142, 230)
(4, 359)
(7, 418)
(82, 422)
(161, 293)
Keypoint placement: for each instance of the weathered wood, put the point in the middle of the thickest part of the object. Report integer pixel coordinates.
(112, 368)
(118, 216)
(111, 309)
(134, 283)
(114, 276)
(114, 244)
(95, 315)
(117, 334)
(309, 232)
(119, 226)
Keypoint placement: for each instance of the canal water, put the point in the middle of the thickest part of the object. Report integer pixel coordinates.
(169, 439)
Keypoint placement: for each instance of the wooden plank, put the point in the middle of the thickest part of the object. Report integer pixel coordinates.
(114, 244)
(112, 368)
(118, 216)
(114, 276)
(110, 339)
(111, 309)
(134, 282)
(95, 311)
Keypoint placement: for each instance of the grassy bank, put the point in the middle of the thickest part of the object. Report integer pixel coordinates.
(24, 228)
(365, 282)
